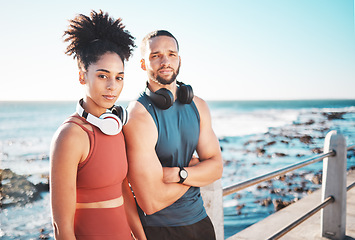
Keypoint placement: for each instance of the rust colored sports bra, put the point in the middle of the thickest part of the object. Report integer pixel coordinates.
(100, 175)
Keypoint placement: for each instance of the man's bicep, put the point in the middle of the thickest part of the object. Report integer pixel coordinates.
(145, 170)
(208, 144)
(143, 165)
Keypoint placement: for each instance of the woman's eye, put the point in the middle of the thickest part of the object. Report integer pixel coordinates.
(102, 76)
(119, 78)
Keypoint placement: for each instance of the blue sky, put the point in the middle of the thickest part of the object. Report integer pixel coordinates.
(236, 49)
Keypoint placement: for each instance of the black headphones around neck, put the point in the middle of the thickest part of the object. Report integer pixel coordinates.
(164, 99)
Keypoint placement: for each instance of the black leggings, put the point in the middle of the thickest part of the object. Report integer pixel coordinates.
(202, 230)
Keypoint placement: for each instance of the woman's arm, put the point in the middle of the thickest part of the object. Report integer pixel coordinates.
(131, 211)
(67, 148)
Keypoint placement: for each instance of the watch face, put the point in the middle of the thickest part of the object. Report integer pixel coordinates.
(183, 173)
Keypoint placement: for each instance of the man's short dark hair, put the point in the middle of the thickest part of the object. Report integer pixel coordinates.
(154, 34)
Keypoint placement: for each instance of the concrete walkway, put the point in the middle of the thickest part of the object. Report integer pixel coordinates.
(309, 229)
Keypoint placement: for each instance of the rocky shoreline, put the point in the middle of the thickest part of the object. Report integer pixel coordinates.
(306, 133)
(17, 190)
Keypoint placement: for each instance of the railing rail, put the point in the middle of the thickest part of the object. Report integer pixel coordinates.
(300, 220)
(333, 201)
(250, 182)
(309, 214)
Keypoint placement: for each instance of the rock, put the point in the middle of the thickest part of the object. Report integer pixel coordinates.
(42, 187)
(279, 154)
(259, 187)
(334, 115)
(299, 189)
(306, 139)
(43, 234)
(276, 191)
(317, 150)
(317, 179)
(239, 207)
(237, 196)
(260, 151)
(281, 178)
(310, 122)
(351, 153)
(270, 143)
(279, 204)
(227, 162)
(17, 190)
(266, 202)
(223, 140)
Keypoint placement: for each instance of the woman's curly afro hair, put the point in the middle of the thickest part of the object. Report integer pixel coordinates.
(91, 37)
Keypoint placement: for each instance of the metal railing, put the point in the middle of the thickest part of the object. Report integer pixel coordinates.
(333, 141)
(309, 214)
(253, 181)
(250, 182)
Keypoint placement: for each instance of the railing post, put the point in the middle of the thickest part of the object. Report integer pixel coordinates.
(333, 217)
(213, 202)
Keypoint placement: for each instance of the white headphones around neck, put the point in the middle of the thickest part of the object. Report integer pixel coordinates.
(110, 123)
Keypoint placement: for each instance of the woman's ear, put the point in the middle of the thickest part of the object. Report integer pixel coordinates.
(82, 77)
(143, 64)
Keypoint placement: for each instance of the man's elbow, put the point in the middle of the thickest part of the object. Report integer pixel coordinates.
(149, 207)
(149, 210)
(219, 170)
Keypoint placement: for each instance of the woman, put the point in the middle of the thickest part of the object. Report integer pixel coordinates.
(90, 195)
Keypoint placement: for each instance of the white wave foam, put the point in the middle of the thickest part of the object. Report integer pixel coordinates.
(246, 123)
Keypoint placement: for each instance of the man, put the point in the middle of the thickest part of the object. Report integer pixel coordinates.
(164, 130)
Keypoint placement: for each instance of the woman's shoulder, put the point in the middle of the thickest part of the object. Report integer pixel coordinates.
(70, 141)
(72, 130)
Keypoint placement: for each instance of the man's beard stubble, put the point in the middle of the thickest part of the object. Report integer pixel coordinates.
(163, 81)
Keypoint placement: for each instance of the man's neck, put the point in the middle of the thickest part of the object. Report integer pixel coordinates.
(155, 86)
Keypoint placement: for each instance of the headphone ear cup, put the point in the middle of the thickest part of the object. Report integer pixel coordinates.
(185, 94)
(162, 98)
(121, 113)
(110, 124)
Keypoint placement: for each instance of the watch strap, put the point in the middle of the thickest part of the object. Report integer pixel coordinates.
(181, 178)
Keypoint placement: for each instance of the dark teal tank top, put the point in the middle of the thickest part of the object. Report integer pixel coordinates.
(178, 133)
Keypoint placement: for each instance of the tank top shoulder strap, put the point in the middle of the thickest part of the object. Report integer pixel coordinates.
(91, 139)
(149, 106)
(79, 124)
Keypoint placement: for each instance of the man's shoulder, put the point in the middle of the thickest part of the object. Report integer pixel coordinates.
(198, 100)
(136, 109)
(201, 104)
(140, 124)
(138, 115)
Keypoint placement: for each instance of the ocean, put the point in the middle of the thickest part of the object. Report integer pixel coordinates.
(255, 137)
